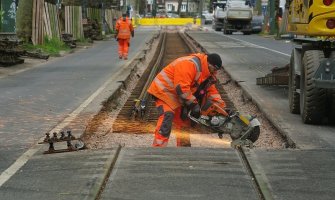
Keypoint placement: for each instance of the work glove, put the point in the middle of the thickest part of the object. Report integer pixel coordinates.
(132, 34)
(184, 113)
(229, 111)
(195, 110)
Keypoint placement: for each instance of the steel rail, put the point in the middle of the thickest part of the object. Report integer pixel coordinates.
(144, 94)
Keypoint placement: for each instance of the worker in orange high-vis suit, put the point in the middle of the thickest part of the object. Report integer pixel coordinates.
(124, 29)
(174, 88)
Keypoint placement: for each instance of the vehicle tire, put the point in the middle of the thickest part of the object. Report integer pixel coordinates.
(225, 31)
(331, 111)
(293, 95)
(331, 92)
(312, 100)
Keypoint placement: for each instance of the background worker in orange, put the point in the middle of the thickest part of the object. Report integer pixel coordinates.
(124, 29)
(175, 86)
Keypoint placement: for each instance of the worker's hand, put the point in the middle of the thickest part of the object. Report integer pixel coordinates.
(229, 111)
(195, 110)
(132, 34)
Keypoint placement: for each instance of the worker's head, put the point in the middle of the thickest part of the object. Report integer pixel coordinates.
(124, 16)
(214, 62)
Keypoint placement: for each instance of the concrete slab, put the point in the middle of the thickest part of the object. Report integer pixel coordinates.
(179, 173)
(75, 175)
(295, 174)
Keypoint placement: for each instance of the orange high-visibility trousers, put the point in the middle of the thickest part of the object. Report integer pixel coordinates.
(164, 125)
(123, 47)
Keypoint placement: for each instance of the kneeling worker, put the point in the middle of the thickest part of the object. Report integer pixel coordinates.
(175, 86)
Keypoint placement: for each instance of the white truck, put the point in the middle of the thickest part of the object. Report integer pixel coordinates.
(218, 16)
(237, 16)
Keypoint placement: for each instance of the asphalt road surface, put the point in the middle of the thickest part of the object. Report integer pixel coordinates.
(34, 101)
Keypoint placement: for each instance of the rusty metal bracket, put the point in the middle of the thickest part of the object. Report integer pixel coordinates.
(78, 143)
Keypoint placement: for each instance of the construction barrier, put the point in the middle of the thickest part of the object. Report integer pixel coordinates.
(166, 21)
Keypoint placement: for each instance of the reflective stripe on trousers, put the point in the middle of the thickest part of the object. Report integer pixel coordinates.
(123, 47)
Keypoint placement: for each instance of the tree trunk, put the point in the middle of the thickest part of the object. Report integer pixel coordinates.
(179, 6)
(24, 20)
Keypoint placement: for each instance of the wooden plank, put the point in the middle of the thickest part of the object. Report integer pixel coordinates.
(57, 24)
(54, 21)
(71, 19)
(77, 23)
(46, 21)
(33, 36)
(47, 14)
(37, 21)
(51, 19)
(41, 24)
(66, 19)
(74, 20)
(81, 24)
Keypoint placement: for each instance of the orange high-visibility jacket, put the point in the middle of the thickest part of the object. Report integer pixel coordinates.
(177, 82)
(124, 28)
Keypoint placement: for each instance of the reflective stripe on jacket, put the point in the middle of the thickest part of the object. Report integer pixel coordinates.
(124, 28)
(177, 82)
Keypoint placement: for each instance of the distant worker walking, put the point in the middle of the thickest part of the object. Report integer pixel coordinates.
(187, 82)
(124, 29)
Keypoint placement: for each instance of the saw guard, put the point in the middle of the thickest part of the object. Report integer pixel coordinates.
(243, 129)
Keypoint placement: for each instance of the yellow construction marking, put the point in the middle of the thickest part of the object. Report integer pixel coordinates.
(166, 21)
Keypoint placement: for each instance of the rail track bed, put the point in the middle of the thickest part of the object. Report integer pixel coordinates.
(123, 122)
(133, 119)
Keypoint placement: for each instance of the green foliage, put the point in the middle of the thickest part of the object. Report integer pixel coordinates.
(84, 41)
(1, 14)
(1, 18)
(51, 46)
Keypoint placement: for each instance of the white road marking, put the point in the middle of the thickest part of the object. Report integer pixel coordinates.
(23, 159)
(259, 46)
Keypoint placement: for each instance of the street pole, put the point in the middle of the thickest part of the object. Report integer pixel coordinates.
(187, 8)
(272, 17)
(259, 7)
(200, 7)
(84, 13)
(154, 11)
(137, 7)
(124, 10)
(103, 29)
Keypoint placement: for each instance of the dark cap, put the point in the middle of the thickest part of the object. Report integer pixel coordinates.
(215, 60)
(124, 14)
